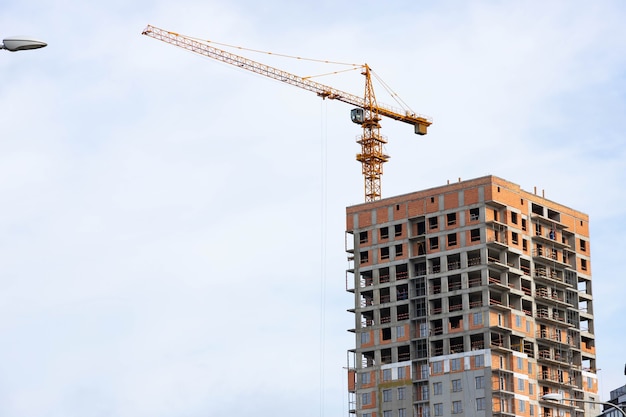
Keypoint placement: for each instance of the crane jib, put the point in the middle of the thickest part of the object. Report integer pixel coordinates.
(372, 155)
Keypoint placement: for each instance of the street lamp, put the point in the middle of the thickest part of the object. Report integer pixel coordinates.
(21, 43)
(559, 397)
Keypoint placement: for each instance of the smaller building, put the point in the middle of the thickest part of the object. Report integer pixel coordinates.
(618, 397)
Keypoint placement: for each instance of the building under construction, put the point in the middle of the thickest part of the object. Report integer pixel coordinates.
(472, 298)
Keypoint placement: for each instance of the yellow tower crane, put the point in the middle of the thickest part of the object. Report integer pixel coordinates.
(367, 112)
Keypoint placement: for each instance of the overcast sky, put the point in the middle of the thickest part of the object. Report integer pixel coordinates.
(173, 228)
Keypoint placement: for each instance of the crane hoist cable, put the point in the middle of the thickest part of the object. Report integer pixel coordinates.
(367, 113)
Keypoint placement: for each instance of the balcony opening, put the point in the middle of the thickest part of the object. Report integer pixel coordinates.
(497, 340)
(454, 261)
(524, 265)
(537, 209)
(474, 279)
(495, 299)
(385, 356)
(454, 282)
(455, 303)
(368, 359)
(435, 265)
(402, 272)
(385, 315)
(436, 348)
(473, 258)
(456, 343)
(495, 256)
(367, 299)
(402, 292)
(435, 286)
(435, 307)
(384, 295)
(436, 327)
(515, 301)
(477, 341)
(383, 275)
(404, 353)
(554, 215)
(367, 319)
(402, 312)
(366, 278)
(475, 300)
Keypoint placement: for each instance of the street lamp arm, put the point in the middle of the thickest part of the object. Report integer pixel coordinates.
(559, 397)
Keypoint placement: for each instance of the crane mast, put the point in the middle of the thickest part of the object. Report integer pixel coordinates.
(372, 156)
(367, 113)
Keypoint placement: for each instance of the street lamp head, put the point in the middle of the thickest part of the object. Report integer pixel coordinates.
(552, 397)
(21, 43)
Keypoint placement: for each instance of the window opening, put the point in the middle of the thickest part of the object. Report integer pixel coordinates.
(456, 385)
(364, 257)
(386, 334)
(437, 388)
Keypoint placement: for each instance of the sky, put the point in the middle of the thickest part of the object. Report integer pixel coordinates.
(173, 228)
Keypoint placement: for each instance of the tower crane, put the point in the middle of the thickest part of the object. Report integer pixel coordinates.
(367, 112)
